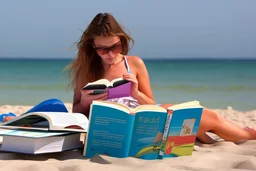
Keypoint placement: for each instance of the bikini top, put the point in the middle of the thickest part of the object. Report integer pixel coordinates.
(128, 101)
(127, 65)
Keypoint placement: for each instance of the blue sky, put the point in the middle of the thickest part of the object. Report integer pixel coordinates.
(161, 29)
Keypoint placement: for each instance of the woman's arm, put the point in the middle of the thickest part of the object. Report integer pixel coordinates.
(77, 106)
(82, 99)
(144, 95)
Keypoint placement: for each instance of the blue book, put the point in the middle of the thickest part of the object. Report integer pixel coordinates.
(146, 132)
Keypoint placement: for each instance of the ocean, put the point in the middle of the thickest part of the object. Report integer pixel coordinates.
(215, 83)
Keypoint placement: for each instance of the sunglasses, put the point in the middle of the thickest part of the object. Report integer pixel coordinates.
(116, 48)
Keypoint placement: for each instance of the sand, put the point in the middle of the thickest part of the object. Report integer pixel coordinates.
(222, 155)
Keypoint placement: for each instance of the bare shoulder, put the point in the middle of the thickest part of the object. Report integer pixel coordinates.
(135, 61)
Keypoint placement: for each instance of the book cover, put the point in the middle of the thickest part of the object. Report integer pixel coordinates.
(146, 132)
(181, 134)
(123, 90)
(109, 132)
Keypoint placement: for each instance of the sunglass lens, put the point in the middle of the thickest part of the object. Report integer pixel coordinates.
(117, 49)
(102, 51)
(114, 49)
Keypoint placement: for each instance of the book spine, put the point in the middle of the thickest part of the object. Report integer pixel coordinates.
(165, 134)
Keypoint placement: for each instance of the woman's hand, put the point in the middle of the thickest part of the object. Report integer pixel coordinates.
(87, 98)
(132, 78)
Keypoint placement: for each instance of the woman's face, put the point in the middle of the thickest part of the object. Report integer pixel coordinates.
(108, 48)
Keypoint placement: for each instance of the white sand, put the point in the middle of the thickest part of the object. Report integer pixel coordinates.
(219, 156)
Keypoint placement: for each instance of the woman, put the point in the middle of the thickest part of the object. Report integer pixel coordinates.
(102, 52)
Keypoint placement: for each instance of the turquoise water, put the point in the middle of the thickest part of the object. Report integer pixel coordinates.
(215, 83)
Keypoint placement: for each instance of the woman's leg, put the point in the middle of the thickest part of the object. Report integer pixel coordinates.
(222, 127)
(227, 130)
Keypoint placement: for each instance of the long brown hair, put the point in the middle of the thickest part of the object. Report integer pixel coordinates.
(88, 65)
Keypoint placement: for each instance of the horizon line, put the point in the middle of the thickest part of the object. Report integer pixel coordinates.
(145, 58)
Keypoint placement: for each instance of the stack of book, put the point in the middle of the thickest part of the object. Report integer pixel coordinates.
(43, 132)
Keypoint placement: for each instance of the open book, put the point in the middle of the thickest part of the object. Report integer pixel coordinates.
(51, 121)
(147, 132)
(116, 88)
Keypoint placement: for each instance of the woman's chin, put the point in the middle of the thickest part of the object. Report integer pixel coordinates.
(110, 61)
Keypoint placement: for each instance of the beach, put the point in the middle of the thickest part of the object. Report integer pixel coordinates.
(226, 86)
(177, 52)
(219, 156)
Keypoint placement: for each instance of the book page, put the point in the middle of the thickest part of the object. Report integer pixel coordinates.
(191, 104)
(50, 120)
(30, 133)
(118, 81)
(150, 108)
(39, 145)
(99, 84)
(109, 132)
(67, 121)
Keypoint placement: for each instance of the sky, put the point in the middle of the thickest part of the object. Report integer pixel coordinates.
(161, 29)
